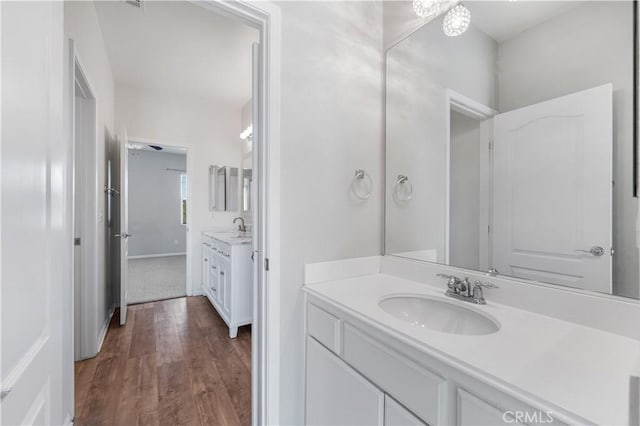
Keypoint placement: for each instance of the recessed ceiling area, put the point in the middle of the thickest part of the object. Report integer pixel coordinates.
(503, 20)
(180, 48)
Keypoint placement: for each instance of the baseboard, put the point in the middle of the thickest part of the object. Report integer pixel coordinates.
(149, 256)
(105, 328)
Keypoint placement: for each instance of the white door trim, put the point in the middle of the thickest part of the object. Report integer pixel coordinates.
(89, 344)
(458, 102)
(265, 16)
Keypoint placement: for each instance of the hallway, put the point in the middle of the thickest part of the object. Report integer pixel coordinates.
(172, 363)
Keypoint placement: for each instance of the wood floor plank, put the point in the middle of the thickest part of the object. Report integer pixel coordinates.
(171, 364)
(143, 340)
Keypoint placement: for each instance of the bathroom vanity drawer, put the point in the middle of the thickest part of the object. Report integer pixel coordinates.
(412, 385)
(489, 408)
(324, 327)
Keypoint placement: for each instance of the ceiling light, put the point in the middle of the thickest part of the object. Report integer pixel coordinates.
(247, 133)
(456, 21)
(427, 8)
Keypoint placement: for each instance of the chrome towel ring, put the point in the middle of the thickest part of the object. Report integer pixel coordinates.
(361, 185)
(402, 189)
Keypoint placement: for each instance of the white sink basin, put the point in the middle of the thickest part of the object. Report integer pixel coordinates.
(439, 315)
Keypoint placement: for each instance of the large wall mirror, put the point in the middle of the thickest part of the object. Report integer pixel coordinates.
(510, 147)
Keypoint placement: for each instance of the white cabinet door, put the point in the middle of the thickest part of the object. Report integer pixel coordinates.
(396, 415)
(206, 266)
(337, 394)
(214, 279)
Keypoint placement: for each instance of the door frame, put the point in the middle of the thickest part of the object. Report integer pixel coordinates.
(471, 108)
(265, 347)
(90, 342)
(189, 290)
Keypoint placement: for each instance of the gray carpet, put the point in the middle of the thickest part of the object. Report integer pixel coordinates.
(157, 278)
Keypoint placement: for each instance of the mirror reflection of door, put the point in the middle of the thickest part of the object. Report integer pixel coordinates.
(526, 191)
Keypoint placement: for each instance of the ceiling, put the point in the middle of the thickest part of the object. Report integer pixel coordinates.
(139, 146)
(178, 47)
(503, 20)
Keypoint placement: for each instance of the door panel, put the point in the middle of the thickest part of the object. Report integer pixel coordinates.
(36, 234)
(124, 226)
(553, 190)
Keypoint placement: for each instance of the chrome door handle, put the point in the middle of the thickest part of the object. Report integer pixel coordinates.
(595, 250)
(123, 235)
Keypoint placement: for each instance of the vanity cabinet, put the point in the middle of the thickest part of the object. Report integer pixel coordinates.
(358, 374)
(336, 393)
(227, 281)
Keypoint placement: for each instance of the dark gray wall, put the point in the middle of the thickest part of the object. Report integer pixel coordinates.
(154, 203)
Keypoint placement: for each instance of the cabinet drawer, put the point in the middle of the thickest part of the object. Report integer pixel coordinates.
(324, 327)
(476, 411)
(418, 389)
(396, 415)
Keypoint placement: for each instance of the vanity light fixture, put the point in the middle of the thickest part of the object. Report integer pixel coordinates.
(427, 8)
(247, 133)
(456, 21)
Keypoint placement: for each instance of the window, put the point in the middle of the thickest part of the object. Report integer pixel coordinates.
(183, 199)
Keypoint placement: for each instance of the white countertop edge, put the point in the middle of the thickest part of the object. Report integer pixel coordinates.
(227, 237)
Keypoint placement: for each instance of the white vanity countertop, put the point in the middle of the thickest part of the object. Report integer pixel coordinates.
(582, 370)
(231, 238)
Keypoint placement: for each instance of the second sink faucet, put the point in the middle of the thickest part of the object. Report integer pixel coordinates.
(242, 227)
(461, 289)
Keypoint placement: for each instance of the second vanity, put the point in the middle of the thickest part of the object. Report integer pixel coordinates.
(371, 358)
(226, 277)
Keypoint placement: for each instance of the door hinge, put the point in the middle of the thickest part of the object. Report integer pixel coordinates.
(76, 241)
(490, 145)
(266, 264)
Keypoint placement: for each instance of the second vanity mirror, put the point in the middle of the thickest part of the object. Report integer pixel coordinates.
(223, 188)
(510, 147)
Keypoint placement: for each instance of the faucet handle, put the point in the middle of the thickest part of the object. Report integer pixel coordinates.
(447, 276)
(484, 284)
(452, 280)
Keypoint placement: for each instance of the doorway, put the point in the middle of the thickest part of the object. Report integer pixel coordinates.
(262, 389)
(159, 209)
(85, 221)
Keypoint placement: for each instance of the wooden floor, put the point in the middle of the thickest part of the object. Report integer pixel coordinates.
(171, 364)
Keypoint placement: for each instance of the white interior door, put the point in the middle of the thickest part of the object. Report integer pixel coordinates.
(36, 235)
(553, 190)
(258, 357)
(124, 226)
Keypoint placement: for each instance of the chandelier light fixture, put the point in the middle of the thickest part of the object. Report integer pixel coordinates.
(427, 8)
(456, 21)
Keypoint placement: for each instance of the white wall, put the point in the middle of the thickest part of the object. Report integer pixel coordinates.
(81, 25)
(331, 125)
(155, 203)
(588, 46)
(211, 134)
(464, 215)
(419, 71)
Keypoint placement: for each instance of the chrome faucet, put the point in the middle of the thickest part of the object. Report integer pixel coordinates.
(242, 227)
(462, 289)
